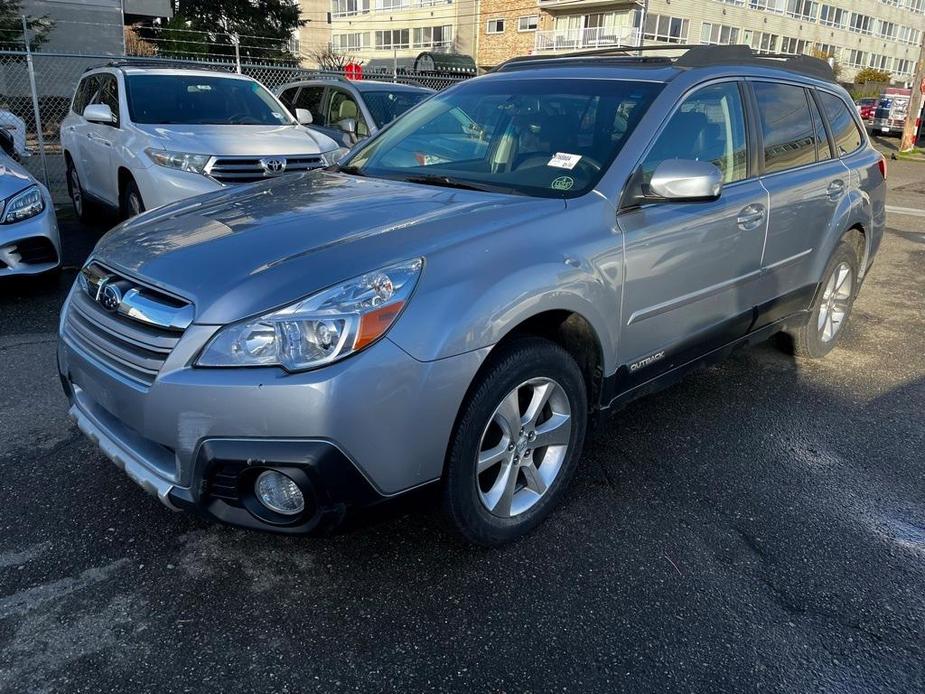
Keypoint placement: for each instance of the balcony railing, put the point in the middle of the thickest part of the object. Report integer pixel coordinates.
(578, 39)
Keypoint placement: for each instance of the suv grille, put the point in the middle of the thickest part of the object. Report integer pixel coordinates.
(231, 170)
(134, 349)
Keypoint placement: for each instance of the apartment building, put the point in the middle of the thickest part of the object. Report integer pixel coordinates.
(885, 34)
(315, 35)
(381, 32)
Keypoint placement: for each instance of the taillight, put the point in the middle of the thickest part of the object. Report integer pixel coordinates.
(882, 165)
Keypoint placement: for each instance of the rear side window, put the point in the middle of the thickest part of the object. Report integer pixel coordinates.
(844, 129)
(787, 126)
(823, 151)
(310, 98)
(709, 126)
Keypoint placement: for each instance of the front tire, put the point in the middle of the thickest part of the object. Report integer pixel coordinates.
(832, 306)
(76, 191)
(132, 204)
(517, 442)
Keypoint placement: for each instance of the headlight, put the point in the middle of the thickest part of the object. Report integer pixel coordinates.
(323, 328)
(194, 163)
(334, 156)
(23, 205)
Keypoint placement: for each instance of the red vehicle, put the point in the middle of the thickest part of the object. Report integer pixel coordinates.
(867, 107)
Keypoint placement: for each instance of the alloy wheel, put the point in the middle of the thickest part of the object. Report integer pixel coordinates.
(836, 300)
(76, 195)
(523, 447)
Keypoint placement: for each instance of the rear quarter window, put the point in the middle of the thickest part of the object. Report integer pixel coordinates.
(844, 128)
(787, 126)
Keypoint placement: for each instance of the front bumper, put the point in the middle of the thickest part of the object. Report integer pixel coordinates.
(32, 246)
(380, 419)
(160, 185)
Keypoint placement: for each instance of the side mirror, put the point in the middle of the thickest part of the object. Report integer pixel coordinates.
(303, 115)
(99, 113)
(685, 179)
(348, 125)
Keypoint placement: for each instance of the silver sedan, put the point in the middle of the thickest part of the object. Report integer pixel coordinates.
(29, 240)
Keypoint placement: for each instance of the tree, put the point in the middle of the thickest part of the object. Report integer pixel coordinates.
(870, 74)
(327, 58)
(135, 45)
(830, 58)
(207, 26)
(11, 37)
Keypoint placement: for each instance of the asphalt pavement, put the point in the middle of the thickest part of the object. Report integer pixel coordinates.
(759, 527)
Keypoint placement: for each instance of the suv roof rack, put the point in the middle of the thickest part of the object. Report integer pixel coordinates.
(693, 56)
(171, 63)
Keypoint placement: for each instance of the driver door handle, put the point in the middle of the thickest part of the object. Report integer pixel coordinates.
(751, 217)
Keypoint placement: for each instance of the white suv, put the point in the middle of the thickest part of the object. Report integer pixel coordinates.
(139, 137)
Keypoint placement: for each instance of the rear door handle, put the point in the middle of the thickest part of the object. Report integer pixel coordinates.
(835, 189)
(750, 217)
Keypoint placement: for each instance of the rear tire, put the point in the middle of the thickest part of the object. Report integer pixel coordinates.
(500, 480)
(831, 307)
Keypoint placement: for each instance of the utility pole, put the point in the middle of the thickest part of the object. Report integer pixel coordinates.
(911, 127)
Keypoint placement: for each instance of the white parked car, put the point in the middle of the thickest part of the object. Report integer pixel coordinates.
(29, 241)
(138, 137)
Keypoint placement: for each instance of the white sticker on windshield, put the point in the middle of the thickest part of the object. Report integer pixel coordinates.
(564, 160)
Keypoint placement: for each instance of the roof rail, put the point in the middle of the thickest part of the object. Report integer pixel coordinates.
(693, 56)
(171, 63)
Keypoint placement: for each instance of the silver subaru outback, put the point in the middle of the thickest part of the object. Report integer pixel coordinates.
(449, 304)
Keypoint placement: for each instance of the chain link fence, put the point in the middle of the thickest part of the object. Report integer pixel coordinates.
(36, 90)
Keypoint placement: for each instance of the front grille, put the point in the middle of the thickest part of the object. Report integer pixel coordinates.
(134, 349)
(231, 170)
(36, 250)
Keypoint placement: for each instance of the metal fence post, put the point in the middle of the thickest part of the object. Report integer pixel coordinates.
(237, 52)
(35, 100)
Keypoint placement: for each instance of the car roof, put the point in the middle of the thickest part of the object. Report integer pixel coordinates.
(132, 68)
(356, 85)
(699, 58)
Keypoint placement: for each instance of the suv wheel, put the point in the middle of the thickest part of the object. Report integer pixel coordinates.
(76, 191)
(517, 442)
(132, 204)
(832, 306)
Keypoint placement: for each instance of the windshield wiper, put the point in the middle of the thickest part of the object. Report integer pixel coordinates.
(450, 182)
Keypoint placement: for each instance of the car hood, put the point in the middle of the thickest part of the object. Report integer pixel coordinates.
(244, 250)
(13, 177)
(238, 140)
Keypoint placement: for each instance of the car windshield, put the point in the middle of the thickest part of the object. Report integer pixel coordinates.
(201, 99)
(386, 106)
(548, 138)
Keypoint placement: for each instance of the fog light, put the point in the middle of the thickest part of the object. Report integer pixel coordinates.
(279, 493)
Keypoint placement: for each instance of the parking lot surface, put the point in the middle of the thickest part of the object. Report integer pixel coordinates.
(760, 526)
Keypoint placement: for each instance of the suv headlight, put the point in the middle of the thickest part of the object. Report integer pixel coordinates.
(325, 327)
(194, 163)
(334, 156)
(23, 205)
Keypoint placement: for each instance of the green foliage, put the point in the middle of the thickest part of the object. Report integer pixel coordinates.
(11, 26)
(869, 74)
(205, 28)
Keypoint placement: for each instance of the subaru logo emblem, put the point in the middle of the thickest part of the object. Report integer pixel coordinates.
(273, 166)
(110, 297)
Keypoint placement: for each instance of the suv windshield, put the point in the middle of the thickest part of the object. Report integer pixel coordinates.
(541, 137)
(201, 99)
(386, 106)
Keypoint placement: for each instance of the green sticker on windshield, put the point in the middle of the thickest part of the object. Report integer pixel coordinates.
(562, 183)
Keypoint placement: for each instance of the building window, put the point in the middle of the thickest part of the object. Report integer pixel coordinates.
(392, 39)
(527, 23)
(886, 30)
(802, 9)
(660, 27)
(861, 23)
(348, 42)
(832, 16)
(718, 34)
(857, 58)
(433, 37)
(880, 62)
(495, 26)
(792, 46)
(345, 8)
(764, 42)
(903, 67)
(776, 6)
